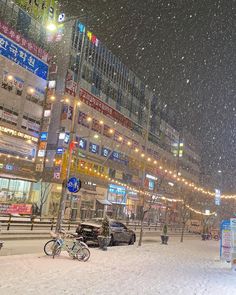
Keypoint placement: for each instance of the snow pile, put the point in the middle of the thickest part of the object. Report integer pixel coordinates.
(189, 268)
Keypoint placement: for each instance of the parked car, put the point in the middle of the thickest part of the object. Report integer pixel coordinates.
(119, 232)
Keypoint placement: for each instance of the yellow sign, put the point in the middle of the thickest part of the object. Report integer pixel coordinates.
(18, 134)
(42, 10)
(91, 168)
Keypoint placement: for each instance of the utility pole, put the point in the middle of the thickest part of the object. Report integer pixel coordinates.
(72, 137)
(144, 171)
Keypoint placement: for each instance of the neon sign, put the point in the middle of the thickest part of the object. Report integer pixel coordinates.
(18, 134)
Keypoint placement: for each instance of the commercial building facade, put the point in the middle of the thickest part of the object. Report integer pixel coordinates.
(23, 78)
(86, 112)
(108, 111)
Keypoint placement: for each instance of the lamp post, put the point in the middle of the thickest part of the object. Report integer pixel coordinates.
(72, 130)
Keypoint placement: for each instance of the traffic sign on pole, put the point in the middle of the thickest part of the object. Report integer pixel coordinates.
(73, 185)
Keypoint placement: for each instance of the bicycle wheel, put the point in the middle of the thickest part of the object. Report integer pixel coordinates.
(51, 248)
(83, 254)
(83, 244)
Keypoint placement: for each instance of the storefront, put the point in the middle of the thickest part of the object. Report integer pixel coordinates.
(131, 205)
(117, 196)
(14, 190)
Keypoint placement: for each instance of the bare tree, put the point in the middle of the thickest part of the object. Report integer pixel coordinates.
(45, 189)
(147, 205)
(185, 213)
(146, 208)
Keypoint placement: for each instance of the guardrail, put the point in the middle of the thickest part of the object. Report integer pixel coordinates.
(19, 223)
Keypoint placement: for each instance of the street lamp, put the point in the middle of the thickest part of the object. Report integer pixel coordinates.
(76, 104)
(51, 27)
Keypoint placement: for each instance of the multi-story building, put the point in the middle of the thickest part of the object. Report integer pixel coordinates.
(86, 115)
(108, 112)
(189, 156)
(23, 74)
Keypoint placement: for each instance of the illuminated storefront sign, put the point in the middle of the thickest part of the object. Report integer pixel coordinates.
(149, 176)
(104, 108)
(18, 134)
(15, 208)
(105, 152)
(60, 151)
(116, 194)
(20, 56)
(43, 136)
(82, 143)
(41, 153)
(19, 39)
(93, 148)
(42, 10)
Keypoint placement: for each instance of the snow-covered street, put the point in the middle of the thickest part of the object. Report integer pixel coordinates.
(189, 268)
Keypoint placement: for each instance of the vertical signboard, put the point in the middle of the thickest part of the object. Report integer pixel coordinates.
(233, 243)
(225, 241)
(217, 197)
(42, 10)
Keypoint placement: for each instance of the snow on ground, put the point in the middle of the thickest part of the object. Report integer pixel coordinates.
(192, 267)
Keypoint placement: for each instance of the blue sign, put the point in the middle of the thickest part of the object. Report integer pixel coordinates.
(43, 136)
(82, 143)
(105, 152)
(80, 27)
(224, 226)
(73, 185)
(60, 151)
(115, 189)
(217, 197)
(20, 56)
(93, 148)
(67, 138)
(116, 156)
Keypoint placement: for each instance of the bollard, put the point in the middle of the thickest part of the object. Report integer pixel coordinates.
(9, 223)
(32, 222)
(52, 223)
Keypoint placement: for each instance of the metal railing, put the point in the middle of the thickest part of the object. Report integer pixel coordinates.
(46, 224)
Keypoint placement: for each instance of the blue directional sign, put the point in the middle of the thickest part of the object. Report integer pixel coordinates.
(73, 185)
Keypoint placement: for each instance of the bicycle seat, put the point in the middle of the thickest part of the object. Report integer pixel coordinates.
(79, 238)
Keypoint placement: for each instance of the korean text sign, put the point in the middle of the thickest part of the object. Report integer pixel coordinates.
(20, 56)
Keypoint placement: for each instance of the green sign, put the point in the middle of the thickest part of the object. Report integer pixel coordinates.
(41, 10)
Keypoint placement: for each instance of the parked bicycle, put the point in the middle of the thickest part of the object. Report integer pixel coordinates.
(210, 236)
(70, 242)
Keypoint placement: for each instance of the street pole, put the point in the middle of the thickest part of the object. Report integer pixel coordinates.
(71, 141)
(144, 171)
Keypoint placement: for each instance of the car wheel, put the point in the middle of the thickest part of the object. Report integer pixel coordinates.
(132, 240)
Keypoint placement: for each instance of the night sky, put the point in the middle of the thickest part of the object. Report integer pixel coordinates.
(185, 50)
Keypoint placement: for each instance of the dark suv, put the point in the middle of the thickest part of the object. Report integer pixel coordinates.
(119, 232)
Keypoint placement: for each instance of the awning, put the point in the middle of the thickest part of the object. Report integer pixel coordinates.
(104, 202)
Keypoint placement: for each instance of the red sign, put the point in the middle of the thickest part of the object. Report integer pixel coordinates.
(20, 40)
(104, 108)
(71, 85)
(25, 209)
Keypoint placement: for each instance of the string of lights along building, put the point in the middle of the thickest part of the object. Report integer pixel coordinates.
(67, 102)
